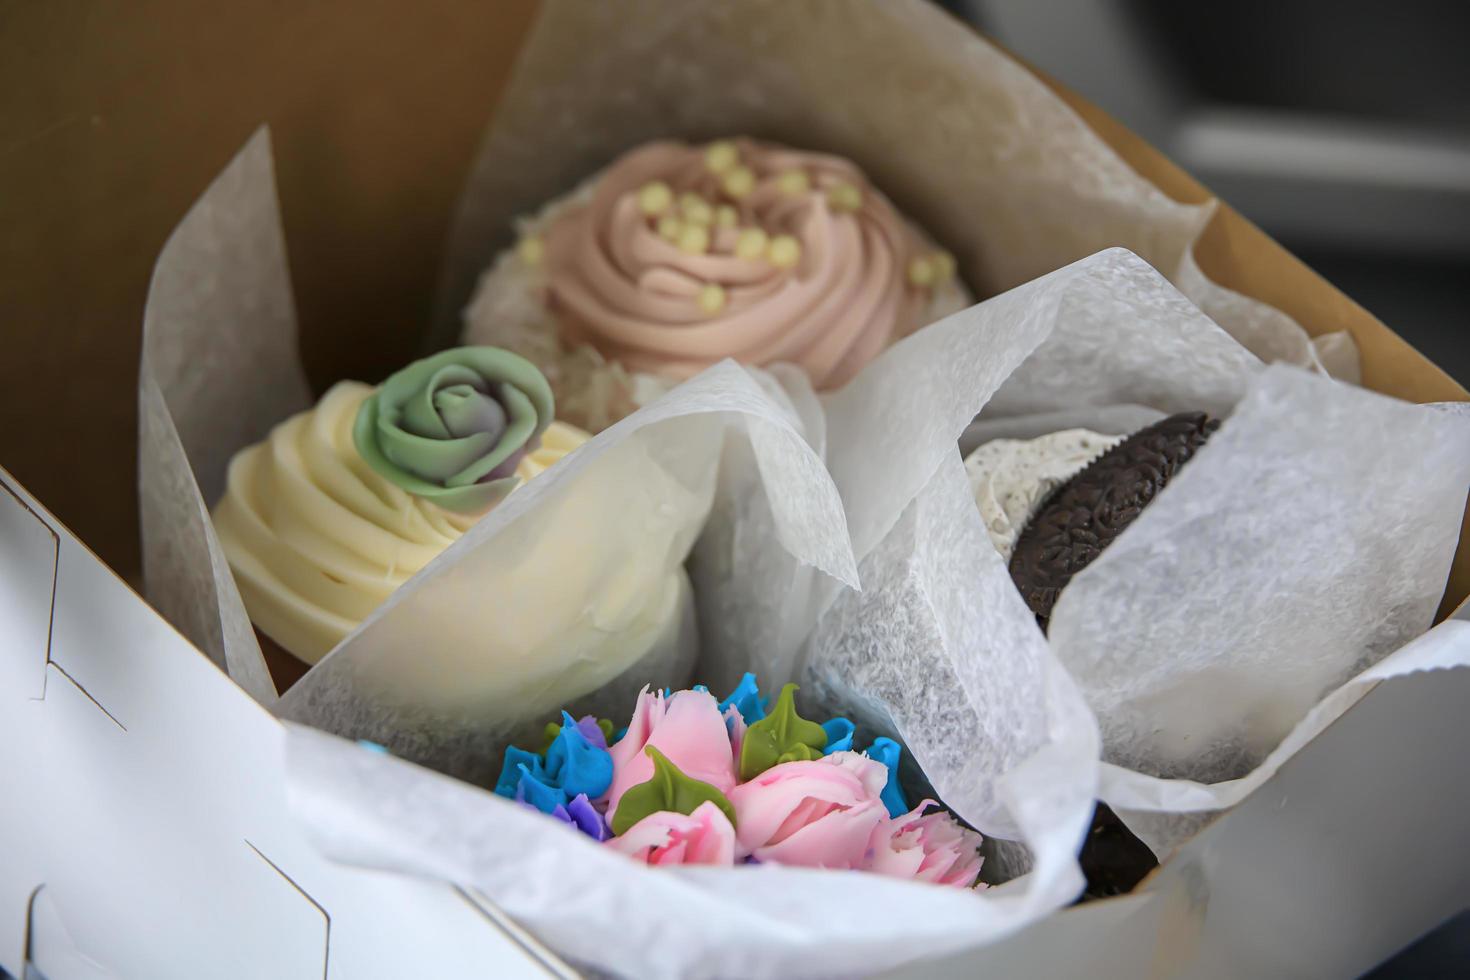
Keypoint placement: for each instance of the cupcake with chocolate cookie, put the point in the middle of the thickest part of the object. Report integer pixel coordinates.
(1051, 505)
(680, 255)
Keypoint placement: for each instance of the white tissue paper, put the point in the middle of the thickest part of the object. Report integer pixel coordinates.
(937, 599)
(1307, 541)
(601, 910)
(1289, 555)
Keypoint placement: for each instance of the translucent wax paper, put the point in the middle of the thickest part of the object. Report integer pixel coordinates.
(969, 144)
(938, 613)
(1293, 552)
(1262, 593)
(572, 593)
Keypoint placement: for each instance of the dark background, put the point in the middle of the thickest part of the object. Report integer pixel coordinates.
(1342, 128)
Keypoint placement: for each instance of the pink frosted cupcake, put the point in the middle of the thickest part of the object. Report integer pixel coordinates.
(678, 256)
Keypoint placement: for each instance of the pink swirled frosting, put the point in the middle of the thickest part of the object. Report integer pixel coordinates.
(686, 255)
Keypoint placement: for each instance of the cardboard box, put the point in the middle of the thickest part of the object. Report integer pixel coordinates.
(144, 830)
(144, 825)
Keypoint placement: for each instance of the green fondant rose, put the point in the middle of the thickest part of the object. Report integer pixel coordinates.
(452, 428)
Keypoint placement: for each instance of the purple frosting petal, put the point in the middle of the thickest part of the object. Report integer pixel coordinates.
(591, 731)
(581, 814)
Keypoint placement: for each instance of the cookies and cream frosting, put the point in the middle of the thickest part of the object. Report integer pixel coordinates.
(317, 537)
(1011, 478)
(678, 256)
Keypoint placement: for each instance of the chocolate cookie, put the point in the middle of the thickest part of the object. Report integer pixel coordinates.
(1071, 528)
(1085, 514)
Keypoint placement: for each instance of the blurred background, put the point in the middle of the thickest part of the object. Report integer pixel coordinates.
(1342, 129)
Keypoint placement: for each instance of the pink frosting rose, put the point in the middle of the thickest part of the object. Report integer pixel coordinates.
(703, 837)
(687, 728)
(820, 813)
(686, 255)
(927, 847)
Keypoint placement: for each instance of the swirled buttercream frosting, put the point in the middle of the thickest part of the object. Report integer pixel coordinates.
(678, 256)
(317, 535)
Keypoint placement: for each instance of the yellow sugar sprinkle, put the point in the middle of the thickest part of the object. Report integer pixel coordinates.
(721, 156)
(670, 227)
(784, 252)
(531, 250)
(694, 239)
(739, 182)
(921, 271)
(944, 266)
(711, 297)
(655, 197)
(726, 216)
(750, 243)
(696, 210)
(844, 197)
(793, 182)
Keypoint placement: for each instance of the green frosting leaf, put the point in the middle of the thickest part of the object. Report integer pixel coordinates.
(451, 428)
(781, 736)
(669, 790)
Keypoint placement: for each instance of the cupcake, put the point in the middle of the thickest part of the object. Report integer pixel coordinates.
(692, 780)
(1051, 505)
(343, 503)
(677, 256)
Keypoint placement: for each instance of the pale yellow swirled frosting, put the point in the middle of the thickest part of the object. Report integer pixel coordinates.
(317, 540)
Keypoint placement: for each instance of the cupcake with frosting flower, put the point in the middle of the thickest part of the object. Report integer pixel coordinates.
(346, 501)
(679, 255)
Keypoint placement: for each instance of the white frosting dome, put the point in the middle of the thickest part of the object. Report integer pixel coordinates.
(317, 540)
(1012, 477)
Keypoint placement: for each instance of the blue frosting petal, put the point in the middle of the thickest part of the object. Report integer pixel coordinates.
(510, 770)
(887, 751)
(373, 746)
(532, 791)
(747, 700)
(575, 765)
(839, 735)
